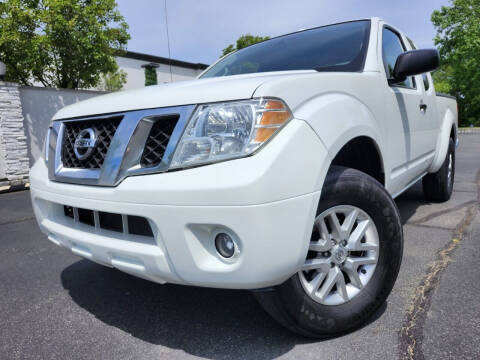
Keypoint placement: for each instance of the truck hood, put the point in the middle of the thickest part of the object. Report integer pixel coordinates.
(175, 94)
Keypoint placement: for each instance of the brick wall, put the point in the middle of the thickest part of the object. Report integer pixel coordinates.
(13, 142)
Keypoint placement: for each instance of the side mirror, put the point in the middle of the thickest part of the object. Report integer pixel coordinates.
(414, 62)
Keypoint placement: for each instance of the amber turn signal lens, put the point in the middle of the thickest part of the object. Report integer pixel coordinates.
(274, 116)
(274, 105)
(264, 133)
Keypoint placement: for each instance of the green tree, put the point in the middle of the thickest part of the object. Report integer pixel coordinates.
(61, 43)
(244, 41)
(443, 80)
(458, 34)
(113, 81)
(150, 76)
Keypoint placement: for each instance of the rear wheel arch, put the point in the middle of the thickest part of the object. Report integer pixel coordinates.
(447, 131)
(453, 133)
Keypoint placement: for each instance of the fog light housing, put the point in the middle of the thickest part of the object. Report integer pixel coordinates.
(225, 245)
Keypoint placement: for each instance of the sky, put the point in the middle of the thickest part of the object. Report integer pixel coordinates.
(200, 29)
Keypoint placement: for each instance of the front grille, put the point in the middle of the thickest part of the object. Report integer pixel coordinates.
(103, 150)
(157, 140)
(104, 129)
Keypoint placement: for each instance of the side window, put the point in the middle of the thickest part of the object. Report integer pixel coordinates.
(392, 47)
(426, 83)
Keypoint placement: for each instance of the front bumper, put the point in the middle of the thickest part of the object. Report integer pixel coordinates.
(266, 202)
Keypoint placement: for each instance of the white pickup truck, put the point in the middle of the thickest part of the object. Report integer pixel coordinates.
(274, 171)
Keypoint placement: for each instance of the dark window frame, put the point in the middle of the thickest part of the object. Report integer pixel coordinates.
(426, 80)
(411, 43)
(402, 43)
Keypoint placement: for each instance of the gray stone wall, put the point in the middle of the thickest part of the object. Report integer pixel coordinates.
(13, 142)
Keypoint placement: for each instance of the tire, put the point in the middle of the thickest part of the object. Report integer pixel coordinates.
(291, 305)
(438, 186)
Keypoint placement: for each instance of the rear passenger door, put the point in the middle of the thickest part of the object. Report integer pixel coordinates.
(405, 107)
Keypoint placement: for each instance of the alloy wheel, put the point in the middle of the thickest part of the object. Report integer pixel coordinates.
(342, 256)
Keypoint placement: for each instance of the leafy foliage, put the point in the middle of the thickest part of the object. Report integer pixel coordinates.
(150, 76)
(60, 43)
(443, 78)
(244, 41)
(113, 81)
(458, 40)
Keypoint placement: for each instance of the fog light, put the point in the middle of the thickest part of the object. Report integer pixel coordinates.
(225, 245)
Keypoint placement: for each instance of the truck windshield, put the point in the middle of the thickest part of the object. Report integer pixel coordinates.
(339, 47)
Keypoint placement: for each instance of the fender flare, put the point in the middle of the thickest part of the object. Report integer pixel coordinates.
(337, 118)
(443, 140)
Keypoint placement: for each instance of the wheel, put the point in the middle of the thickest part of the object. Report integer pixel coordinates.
(438, 186)
(352, 263)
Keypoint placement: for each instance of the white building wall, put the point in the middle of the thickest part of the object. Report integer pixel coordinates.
(39, 104)
(136, 74)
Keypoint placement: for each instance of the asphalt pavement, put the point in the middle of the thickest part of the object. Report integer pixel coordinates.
(55, 305)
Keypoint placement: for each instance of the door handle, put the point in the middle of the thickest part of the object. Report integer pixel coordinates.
(423, 107)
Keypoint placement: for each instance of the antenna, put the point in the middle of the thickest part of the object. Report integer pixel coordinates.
(168, 42)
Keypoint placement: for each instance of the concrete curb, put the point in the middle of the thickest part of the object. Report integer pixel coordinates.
(469, 131)
(12, 188)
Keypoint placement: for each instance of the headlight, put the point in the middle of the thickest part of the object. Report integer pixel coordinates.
(230, 130)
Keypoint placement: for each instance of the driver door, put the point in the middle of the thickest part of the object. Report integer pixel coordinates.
(404, 109)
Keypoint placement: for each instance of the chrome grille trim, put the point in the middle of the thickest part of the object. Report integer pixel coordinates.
(105, 130)
(124, 154)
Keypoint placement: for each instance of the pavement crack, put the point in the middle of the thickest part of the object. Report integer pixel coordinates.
(17, 220)
(411, 332)
(443, 212)
(428, 226)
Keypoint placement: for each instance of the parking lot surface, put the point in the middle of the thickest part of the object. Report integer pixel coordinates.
(55, 305)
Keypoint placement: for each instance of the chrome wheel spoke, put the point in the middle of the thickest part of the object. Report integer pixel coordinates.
(328, 284)
(341, 286)
(334, 277)
(351, 267)
(325, 241)
(353, 274)
(342, 260)
(336, 227)
(349, 221)
(316, 281)
(320, 245)
(314, 264)
(361, 261)
(354, 241)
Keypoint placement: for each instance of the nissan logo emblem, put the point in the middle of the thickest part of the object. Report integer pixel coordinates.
(85, 143)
